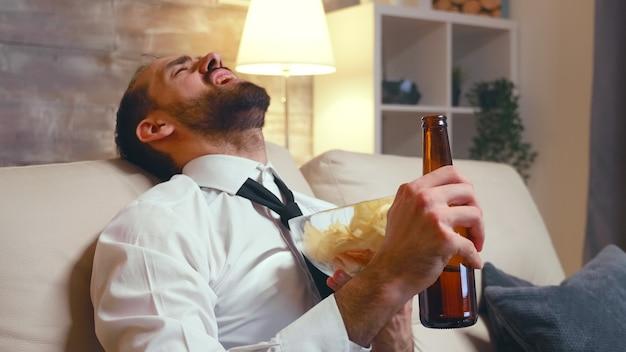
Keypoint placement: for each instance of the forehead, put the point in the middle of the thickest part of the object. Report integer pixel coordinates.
(153, 71)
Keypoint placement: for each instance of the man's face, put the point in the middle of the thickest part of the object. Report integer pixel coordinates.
(204, 95)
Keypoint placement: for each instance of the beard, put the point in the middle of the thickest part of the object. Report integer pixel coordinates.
(225, 110)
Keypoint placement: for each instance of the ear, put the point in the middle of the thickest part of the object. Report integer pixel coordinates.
(155, 127)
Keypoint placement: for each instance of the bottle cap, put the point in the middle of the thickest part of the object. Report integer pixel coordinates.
(434, 121)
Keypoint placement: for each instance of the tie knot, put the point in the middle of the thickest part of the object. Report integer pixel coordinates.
(257, 193)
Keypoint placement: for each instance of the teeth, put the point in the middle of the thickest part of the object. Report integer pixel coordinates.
(222, 77)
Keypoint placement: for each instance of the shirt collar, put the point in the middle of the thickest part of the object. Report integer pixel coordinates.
(226, 173)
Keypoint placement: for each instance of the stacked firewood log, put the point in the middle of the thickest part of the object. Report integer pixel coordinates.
(473, 7)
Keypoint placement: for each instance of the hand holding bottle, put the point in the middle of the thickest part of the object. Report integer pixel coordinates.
(419, 242)
(420, 238)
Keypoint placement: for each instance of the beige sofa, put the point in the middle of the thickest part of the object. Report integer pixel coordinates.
(51, 216)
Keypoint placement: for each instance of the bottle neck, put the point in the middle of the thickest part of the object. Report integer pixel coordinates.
(436, 151)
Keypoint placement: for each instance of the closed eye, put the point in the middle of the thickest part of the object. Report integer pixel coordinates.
(178, 62)
(179, 71)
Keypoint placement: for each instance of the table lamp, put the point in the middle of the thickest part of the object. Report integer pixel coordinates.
(285, 38)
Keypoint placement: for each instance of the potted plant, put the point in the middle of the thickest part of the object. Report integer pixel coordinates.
(499, 127)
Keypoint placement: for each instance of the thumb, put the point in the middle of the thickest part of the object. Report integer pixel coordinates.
(338, 279)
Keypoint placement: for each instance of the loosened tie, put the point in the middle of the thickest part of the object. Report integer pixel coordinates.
(257, 193)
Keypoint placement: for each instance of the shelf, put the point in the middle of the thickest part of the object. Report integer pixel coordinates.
(428, 108)
(463, 130)
(413, 108)
(413, 49)
(402, 134)
(462, 110)
(482, 54)
(443, 16)
(373, 43)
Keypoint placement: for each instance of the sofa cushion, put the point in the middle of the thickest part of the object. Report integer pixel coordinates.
(516, 237)
(585, 312)
(51, 216)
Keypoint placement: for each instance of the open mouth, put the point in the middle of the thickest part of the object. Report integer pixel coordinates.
(221, 76)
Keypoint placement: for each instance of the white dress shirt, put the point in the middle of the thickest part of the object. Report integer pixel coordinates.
(190, 266)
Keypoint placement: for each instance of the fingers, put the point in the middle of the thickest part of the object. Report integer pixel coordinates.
(330, 282)
(455, 194)
(465, 248)
(442, 186)
(468, 217)
(441, 176)
(338, 279)
(477, 236)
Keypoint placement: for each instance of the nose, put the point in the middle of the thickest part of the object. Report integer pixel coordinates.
(209, 62)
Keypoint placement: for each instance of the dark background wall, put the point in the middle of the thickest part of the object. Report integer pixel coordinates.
(64, 65)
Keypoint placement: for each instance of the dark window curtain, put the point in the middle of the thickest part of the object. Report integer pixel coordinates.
(606, 212)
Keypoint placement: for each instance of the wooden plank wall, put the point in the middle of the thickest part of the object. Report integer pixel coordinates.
(64, 65)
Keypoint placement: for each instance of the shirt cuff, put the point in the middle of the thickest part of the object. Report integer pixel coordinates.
(319, 329)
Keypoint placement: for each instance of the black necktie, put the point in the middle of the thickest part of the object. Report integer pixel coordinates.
(257, 193)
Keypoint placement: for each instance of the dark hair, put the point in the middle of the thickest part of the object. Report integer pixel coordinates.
(134, 107)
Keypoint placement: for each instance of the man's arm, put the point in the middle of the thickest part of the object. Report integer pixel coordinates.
(419, 241)
(397, 334)
(148, 287)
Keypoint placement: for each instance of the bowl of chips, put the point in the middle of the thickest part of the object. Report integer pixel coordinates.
(342, 238)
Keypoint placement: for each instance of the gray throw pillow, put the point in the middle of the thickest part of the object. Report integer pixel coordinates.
(586, 312)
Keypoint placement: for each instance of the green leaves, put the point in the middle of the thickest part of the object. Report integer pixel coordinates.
(499, 127)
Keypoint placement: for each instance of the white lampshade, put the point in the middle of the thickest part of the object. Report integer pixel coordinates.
(285, 37)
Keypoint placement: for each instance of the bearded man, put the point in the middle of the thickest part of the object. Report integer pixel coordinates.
(198, 264)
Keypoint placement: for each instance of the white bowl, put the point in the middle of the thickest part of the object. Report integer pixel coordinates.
(342, 238)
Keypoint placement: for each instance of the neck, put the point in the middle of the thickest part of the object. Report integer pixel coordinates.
(247, 144)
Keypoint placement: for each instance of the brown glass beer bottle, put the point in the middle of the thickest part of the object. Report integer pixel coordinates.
(451, 301)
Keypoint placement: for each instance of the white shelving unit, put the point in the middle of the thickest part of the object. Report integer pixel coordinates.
(374, 41)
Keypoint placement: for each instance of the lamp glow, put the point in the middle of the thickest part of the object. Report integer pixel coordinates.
(285, 37)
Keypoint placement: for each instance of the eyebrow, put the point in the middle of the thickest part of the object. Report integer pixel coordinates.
(180, 60)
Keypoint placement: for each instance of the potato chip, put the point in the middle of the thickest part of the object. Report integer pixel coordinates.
(351, 246)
